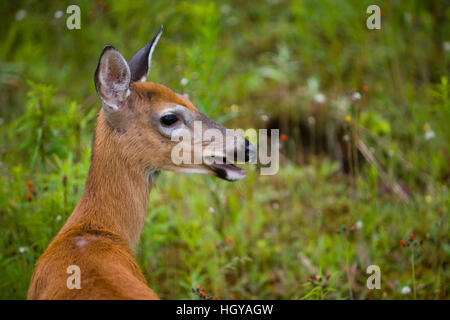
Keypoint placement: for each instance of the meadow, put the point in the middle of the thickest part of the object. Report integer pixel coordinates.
(364, 125)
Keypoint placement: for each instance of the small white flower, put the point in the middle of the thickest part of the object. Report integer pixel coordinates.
(342, 104)
(319, 98)
(265, 117)
(184, 81)
(311, 120)
(225, 9)
(406, 290)
(356, 96)
(446, 46)
(58, 14)
(429, 135)
(58, 218)
(23, 249)
(346, 138)
(211, 210)
(20, 15)
(359, 224)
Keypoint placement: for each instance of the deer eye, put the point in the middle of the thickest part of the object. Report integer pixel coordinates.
(169, 119)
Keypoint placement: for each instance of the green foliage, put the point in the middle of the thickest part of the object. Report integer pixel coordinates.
(38, 120)
(375, 123)
(309, 61)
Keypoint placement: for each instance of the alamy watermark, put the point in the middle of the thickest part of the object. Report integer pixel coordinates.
(374, 20)
(74, 280)
(218, 147)
(74, 20)
(374, 281)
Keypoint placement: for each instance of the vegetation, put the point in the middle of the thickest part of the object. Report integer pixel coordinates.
(363, 115)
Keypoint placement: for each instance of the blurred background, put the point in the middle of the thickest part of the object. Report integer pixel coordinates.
(364, 127)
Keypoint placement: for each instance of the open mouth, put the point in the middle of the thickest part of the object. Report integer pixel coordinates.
(224, 170)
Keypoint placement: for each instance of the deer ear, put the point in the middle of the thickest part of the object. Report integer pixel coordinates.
(141, 61)
(112, 78)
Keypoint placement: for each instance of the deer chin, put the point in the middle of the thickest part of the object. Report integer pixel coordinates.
(226, 171)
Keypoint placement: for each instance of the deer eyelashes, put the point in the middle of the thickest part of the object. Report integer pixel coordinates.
(114, 75)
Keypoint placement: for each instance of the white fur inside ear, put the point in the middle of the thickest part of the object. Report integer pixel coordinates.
(150, 54)
(111, 107)
(114, 79)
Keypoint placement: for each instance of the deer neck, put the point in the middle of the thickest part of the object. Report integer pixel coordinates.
(116, 193)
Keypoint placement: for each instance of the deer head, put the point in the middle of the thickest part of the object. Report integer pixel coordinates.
(145, 117)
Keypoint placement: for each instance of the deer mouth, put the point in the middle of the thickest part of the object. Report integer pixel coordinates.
(224, 170)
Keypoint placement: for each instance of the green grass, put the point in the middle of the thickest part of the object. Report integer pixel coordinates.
(285, 230)
(308, 232)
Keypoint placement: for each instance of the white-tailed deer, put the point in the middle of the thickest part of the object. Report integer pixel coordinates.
(132, 143)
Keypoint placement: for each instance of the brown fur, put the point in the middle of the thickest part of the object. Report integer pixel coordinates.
(108, 219)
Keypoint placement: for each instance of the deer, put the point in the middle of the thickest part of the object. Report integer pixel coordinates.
(131, 145)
